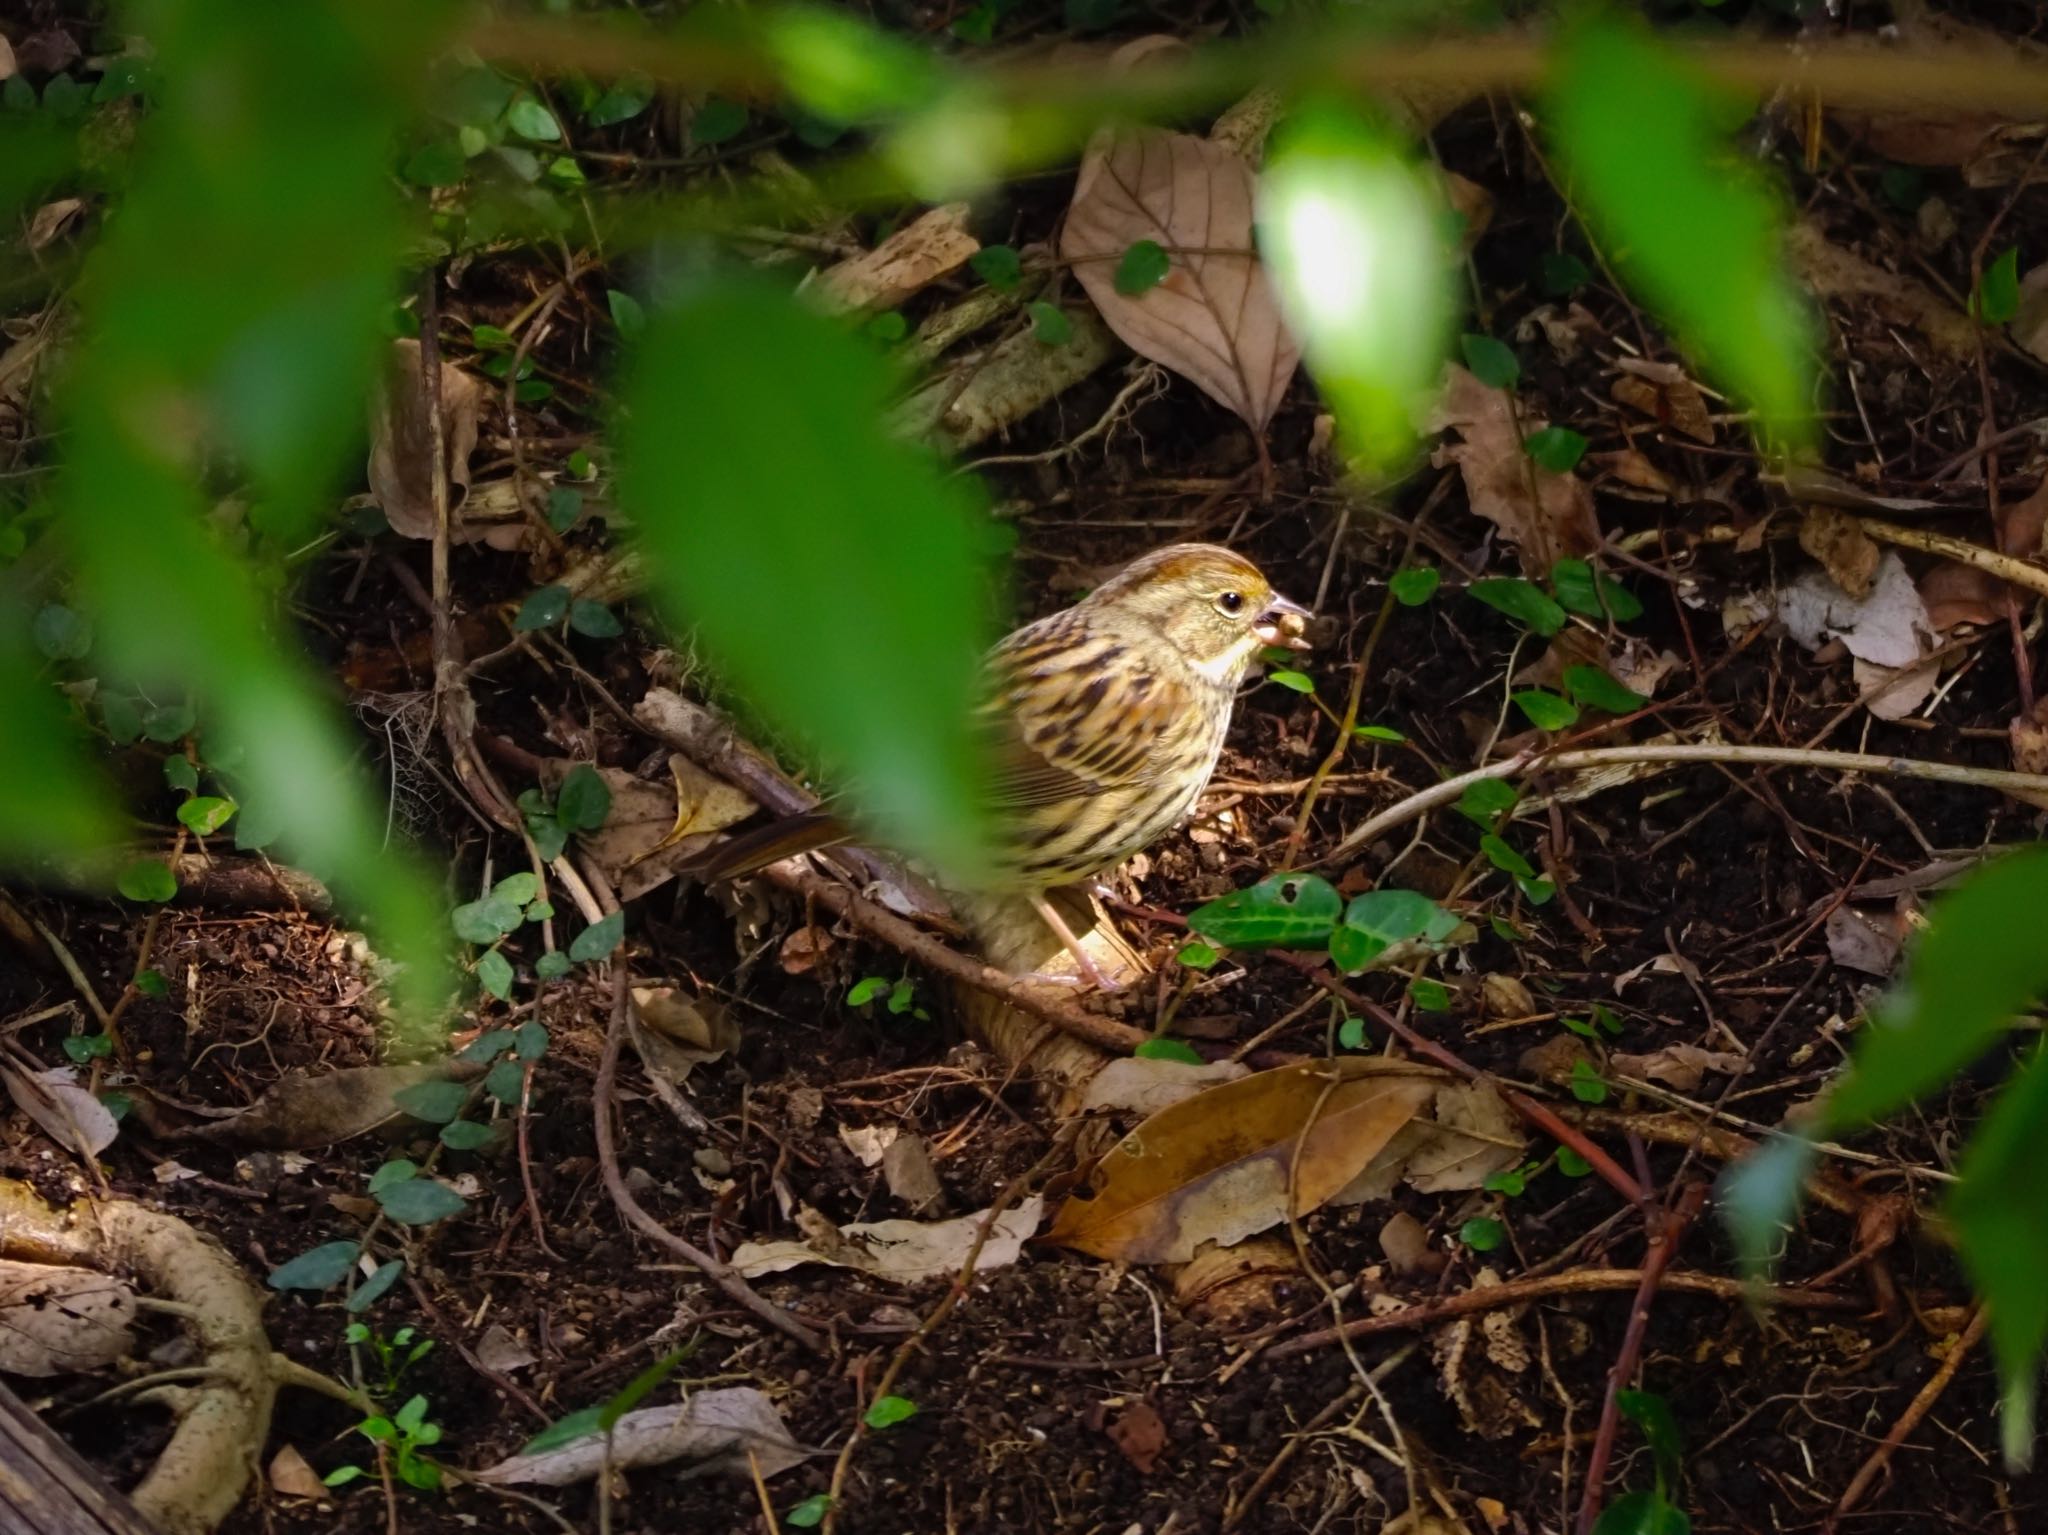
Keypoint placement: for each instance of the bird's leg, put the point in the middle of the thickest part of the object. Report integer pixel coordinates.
(1065, 934)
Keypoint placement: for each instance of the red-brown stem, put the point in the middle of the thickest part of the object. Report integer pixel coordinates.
(1665, 1234)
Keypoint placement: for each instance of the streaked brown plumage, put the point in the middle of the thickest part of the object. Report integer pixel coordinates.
(1108, 719)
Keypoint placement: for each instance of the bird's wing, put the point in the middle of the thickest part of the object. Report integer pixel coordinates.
(1075, 713)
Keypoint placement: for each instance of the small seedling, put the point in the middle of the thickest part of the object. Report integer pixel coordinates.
(394, 1355)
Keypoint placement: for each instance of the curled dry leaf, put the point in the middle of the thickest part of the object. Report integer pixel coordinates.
(51, 220)
(1221, 1166)
(1838, 541)
(1681, 1066)
(906, 1251)
(498, 1350)
(306, 1109)
(1405, 1241)
(730, 1429)
(1663, 392)
(1888, 632)
(1215, 319)
(292, 1477)
(402, 442)
(1855, 942)
(654, 829)
(66, 1112)
(1547, 516)
(60, 1320)
(933, 245)
(868, 1143)
(1142, 1085)
(1633, 469)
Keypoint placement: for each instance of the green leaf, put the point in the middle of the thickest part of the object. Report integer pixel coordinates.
(485, 921)
(1049, 323)
(1294, 682)
(565, 505)
(760, 478)
(1545, 710)
(1168, 1050)
(1586, 1084)
(1652, 1414)
(625, 99)
(206, 814)
(151, 983)
(1513, 1182)
(1492, 362)
(888, 1411)
(1996, 1211)
(1556, 448)
(1482, 1234)
(1975, 968)
(1521, 600)
(530, 1041)
(717, 121)
(580, 1424)
(421, 1202)
(1604, 1016)
(810, 1513)
(179, 773)
(1571, 1164)
(319, 1268)
(1377, 920)
(1505, 930)
(1645, 1512)
(169, 722)
(494, 974)
(901, 995)
(147, 879)
(1415, 585)
(999, 266)
(1593, 594)
(435, 165)
(121, 716)
(1197, 955)
(490, 338)
(551, 966)
(1593, 687)
(1486, 800)
(542, 609)
(598, 939)
(585, 799)
(533, 391)
(506, 1082)
(594, 619)
(1280, 911)
(1536, 891)
(466, 1135)
(1580, 1027)
(887, 328)
(866, 989)
(393, 1173)
(627, 314)
(1144, 267)
(1997, 298)
(434, 1102)
(1686, 217)
(531, 120)
(61, 633)
(1559, 273)
(1351, 1034)
(517, 888)
(1352, 230)
(1385, 733)
(1430, 996)
(1904, 187)
(373, 1289)
(341, 1476)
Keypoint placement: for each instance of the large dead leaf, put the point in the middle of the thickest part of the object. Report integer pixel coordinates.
(402, 444)
(1468, 1135)
(67, 1113)
(654, 829)
(1546, 516)
(1219, 1166)
(58, 1320)
(1144, 1085)
(907, 1251)
(1215, 320)
(716, 1430)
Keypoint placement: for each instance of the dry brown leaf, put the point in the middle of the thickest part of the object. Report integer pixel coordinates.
(933, 245)
(1855, 942)
(907, 1170)
(304, 1109)
(1546, 516)
(1405, 1241)
(66, 1112)
(1215, 320)
(654, 829)
(1629, 466)
(1961, 594)
(1140, 1433)
(1681, 1066)
(733, 1429)
(498, 1350)
(907, 1251)
(1473, 1135)
(401, 441)
(1838, 541)
(1663, 392)
(1142, 1085)
(292, 1477)
(59, 1320)
(1220, 1166)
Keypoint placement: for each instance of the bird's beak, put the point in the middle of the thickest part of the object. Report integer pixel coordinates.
(1282, 623)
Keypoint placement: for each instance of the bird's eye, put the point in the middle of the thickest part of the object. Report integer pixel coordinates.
(1231, 602)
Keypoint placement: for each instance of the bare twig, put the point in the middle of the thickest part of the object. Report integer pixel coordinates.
(1922, 1403)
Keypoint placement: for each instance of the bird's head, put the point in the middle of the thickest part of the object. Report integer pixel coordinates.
(1213, 606)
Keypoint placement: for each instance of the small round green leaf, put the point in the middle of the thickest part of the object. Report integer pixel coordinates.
(1560, 272)
(627, 314)
(999, 266)
(1294, 682)
(1415, 585)
(1487, 801)
(147, 879)
(551, 966)
(506, 1082)
(1492, 362)
(542, 609)
(1571, 1164)
(1593, 687)
(320, 1268)
(434, 1102)
(810, 1513)
(585, 799)
(1545, 710)
(598, 939)
(466, 1135)
(206, 814)
(1351, 1033)
(61, 633)
(1050, 324)
(1997, 298)
(866, 989)
(531, 120)
(1505, 858)
(594, 619)
(1197, 955)
(1557, 448)
(421, 1202)
(1482, 1234)
(373, 1289)
(1430, 996)
(717, 121)
(1144, 267)
(1522, 600)
(888, 1411)
(1168, 1050)
(180, 774)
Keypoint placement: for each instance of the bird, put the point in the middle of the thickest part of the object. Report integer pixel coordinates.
(1106, 720)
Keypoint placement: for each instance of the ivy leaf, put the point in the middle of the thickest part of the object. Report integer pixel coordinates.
(1492, 362)
(999, 266)
(542, 610)
(318, 1268)
(1280, 911)
(1593, 687)
(1545, 710)
(1522, 600)
(1415, 585)
(598, 939)
(1556, 448)
(585, 799)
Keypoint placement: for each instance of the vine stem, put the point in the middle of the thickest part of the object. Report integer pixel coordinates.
(2023, 785)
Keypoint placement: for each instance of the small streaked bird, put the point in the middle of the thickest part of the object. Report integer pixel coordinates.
(1108, 718)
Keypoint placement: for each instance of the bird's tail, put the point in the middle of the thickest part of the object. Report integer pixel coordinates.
(770, 843)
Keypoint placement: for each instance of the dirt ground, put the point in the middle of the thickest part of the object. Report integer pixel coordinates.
(1063, 1393)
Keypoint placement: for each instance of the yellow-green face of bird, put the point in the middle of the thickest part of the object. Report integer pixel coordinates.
(1213, 606)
